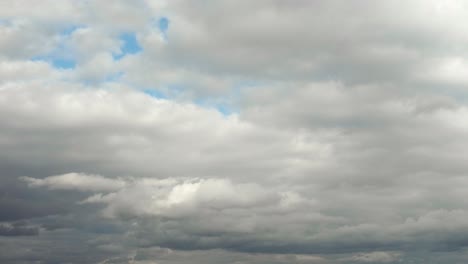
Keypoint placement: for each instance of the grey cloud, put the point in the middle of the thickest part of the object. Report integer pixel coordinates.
(126, 142)
(326, 208)
(380, 42)
(24, 40)
(375, 257)
(346, 143)
(205, 214)
(18, 229)
(16, 209)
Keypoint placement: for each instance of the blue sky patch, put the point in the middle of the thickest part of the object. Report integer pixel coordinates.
(221, 107)
(163, 25)
(63, 63)
(67, 31)
(59, 63)
(130, 45)
(154, 93)
(224, 109)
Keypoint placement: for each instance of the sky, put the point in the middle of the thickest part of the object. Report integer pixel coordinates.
(234, 131)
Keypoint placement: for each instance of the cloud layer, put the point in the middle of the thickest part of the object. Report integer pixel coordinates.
(233, 132)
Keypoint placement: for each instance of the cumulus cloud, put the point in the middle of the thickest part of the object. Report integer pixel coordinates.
(179, 198)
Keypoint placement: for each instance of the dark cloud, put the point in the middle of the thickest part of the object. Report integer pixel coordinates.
(18, 229)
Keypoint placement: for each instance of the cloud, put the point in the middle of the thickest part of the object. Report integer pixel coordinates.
(376, 257)
(24, 70)
(18, 229)
(75, 181)
(179, 198)
(258, 41)
(233, 131)
(262, 181)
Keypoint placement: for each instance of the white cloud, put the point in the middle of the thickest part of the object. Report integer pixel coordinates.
(446, 70)
(185, 198)
(76, 181)
(20, 71)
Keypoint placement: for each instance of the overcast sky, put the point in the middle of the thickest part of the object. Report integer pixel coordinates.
(234, 131)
